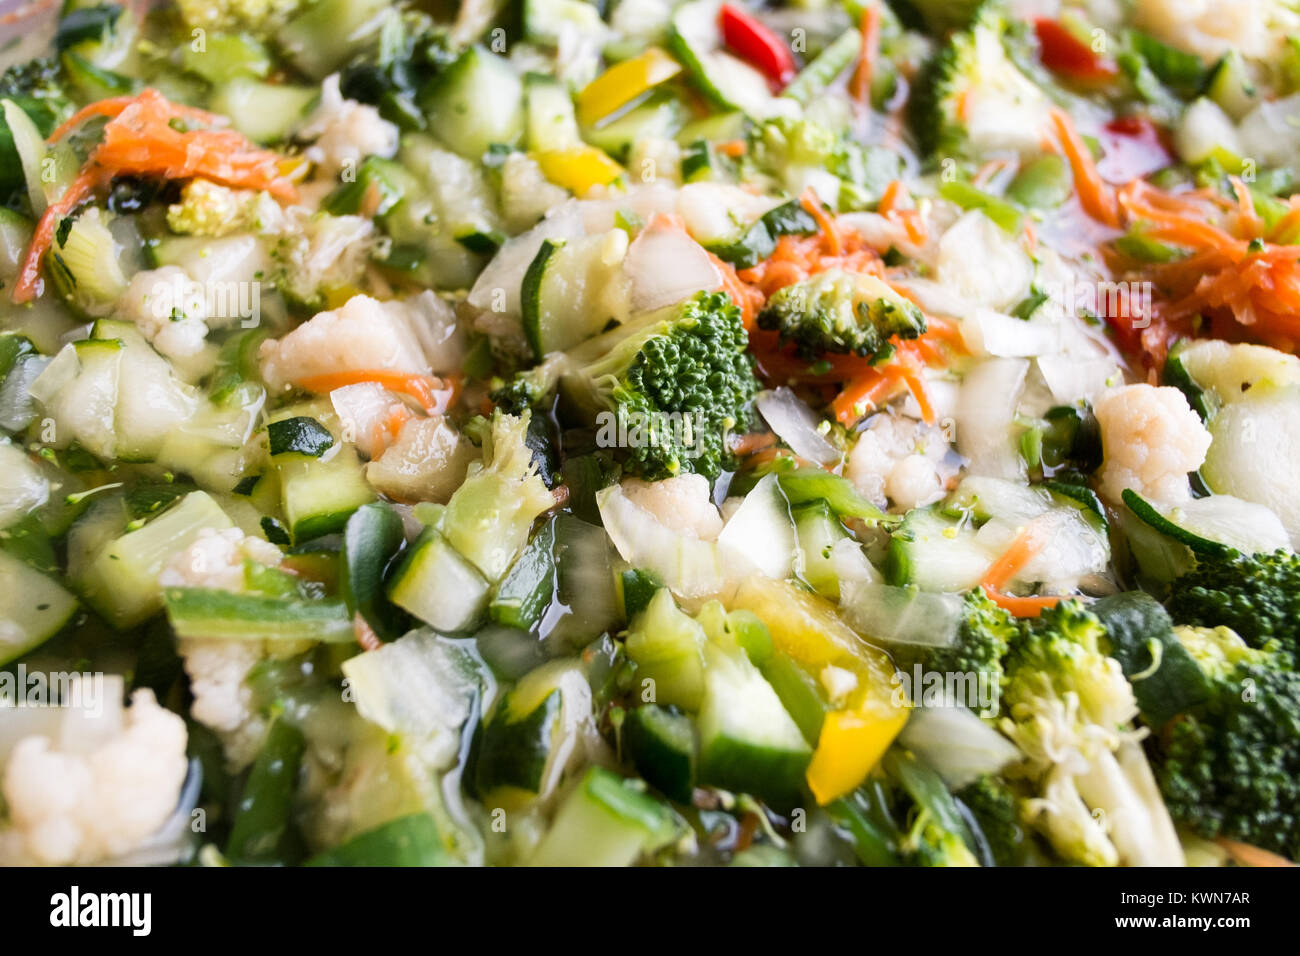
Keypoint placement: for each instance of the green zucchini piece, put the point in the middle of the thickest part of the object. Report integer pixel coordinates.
(226, 615)
(372, 538)
(410, 840)
(299, 435)
(662, 746)
(606, 821)
(262, 823)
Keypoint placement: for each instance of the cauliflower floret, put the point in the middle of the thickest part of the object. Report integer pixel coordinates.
(228, 14)
(900, 460)
(169, 308)
(1257, 29)
(218, 669)
(427, 462)
(345, 131)
(1151, 439)
(363, 334)
(318, 251)
(67, 806)
(683, 503)
(210, 209)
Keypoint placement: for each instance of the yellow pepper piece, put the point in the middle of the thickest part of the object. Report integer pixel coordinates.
(624, 82)
(578, 168)
(854, 738)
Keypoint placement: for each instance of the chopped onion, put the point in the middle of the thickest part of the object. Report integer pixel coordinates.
(363, 410)
(796, 425)
(664, 266)
(1072, 377)
(956, 743)
(688, 566)
(895, 615)
(1006, 336)
(759, 535)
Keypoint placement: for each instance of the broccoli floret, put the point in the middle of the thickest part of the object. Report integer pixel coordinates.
(234, 14)
(799, 153)
(996, 809)
(935, 834)
(414, 49)
(840, 312)
(1258, 596)
(983, 639)
(666, 392)
(37, 86)
(927, 843)
(1230, 765)
(1069, 708)
(971, 97)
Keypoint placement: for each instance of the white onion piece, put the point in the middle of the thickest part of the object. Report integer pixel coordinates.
(1004, 335)
(1072, 377)
(688, 566)
(497, 286)
(896, 615)
(360, 408)
(664, 266)
(759, 535)
(956, 743)
(796, 425)
(985, 414)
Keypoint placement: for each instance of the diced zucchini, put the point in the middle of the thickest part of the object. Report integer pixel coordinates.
(84, 265)
(544, 20)
(662, 746)
(121, 580)
(1230, 85)
(818, 530)
(410, 840)
(529, 586)
(800, 694)
(229, 616)
(936, 553)
(667, 647)
(585, 589)
(436, 584)
(1213, 526)
(475, 102)
(372, 538)
(730, 83)
(748, 742)
(572, 290)
(551, 121)
(264, 112)
(300, 435)
(464, 203)
(605, 821)
(759, 535)
(79, 390)
(326, 34)
(636, 588)
(814, 78)
(755, 242)
(230, 259)
(227, 56)
(33, 607)
(661, 116)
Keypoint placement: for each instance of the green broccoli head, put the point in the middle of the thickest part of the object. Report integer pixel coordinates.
(984, 636)
(929, 843)
(799, 153)
(1230, 765)
(37, 86)
(670, 389)
(996, 809)
(840, 312)
(529, 388)
(1258, 596)
(971, 97)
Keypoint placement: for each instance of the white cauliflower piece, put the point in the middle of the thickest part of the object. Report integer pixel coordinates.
(1151, 439)
(363, 334)
(1257, 29)
(428, 462)
(683, 503)
(218, 669)
(345, 131)
(317, 251)
(169, 308)
(900, 460)
(69, 807)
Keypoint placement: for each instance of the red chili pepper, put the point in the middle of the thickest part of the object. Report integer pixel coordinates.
(758, 46)
(1064, 52)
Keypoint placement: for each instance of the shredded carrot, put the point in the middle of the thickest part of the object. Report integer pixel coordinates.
(433, 394)
(364, 634)
(1097, 198)
(735, 148)
(909, 370)
(1022, 606)
(745, 445)
(890, 197)
(1031, 539)
(741, 294)
(814, 206)
(1249, 855)
(142, 139)
(868, 391)
(1248, 218)
(870, 27)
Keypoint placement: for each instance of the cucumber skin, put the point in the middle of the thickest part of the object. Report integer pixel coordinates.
(530, 294)
(405, 841)
(773, 774)
(663, 748)
(514, 753)
(528, 587)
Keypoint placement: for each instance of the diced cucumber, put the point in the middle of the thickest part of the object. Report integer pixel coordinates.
(730, 83)
(85, 267)
(326, 34)
(818, 530)
(1213, 526)
(551, 121)
(662, 747)
(800, 694)
(264, 112)
(79, 390)
(229, 616)
(748, 742)
(153, 403)
(544, 20)
(659, 117)
(667, 647)
(372, 538)
(121, 580)
(814, 78)
(936, 553)
(529, 586)
(410, 840)
(1230, 85)
(572, 290)
(33, 607)
(437, 585)
(475, 102)
(605, 821)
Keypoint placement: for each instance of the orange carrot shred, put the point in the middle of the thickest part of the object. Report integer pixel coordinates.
(870, 27)
(1095, 196)
(1031, 539)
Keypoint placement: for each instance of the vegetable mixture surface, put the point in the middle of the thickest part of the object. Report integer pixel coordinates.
(551, 432)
